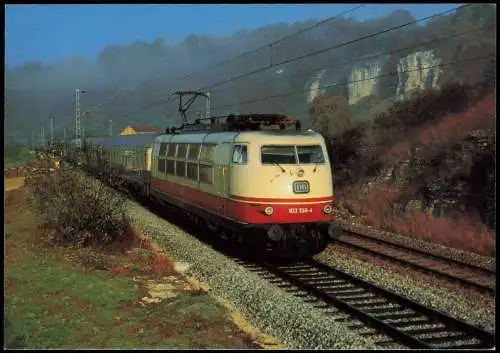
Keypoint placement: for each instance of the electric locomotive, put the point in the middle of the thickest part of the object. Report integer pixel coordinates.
(245, 177)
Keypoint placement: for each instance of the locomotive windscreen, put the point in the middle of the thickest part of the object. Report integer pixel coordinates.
(292, 154)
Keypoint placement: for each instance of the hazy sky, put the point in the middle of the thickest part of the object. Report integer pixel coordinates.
(49, 33)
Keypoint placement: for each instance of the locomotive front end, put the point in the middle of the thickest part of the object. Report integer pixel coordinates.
(287, 189)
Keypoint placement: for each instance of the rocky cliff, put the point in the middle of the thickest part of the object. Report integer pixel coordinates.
(419, 70)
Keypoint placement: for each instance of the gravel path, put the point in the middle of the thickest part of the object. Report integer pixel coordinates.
(413, 287)
(276, 312)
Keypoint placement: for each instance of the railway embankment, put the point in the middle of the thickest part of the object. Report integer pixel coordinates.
(126, 296)
(275, 312)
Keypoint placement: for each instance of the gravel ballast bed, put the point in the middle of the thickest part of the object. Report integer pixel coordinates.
(470, 258)
(414, 288)
(274, 311)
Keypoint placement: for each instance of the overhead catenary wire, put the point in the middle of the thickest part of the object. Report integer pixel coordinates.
(241, 55)
(308, 28)
(337, 46)
(357, 81)
(374, 56)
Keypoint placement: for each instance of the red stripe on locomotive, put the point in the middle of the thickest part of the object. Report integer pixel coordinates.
(298, 211)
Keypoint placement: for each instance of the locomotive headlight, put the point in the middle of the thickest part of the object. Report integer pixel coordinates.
(328, 209)
(269, 210)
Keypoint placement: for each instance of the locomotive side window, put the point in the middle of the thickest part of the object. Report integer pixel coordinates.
(170, 166)
(278, 154)
(207, 156)
(194, 151)
(240, 155)
(170, 163)
(181, 150)
(161, 165)
(207, 153)
(310, 154)
(163, 149)
(192, 171)
(192, 164)
(171, 150)
(180, 168)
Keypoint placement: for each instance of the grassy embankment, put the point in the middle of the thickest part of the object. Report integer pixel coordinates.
(68, 297)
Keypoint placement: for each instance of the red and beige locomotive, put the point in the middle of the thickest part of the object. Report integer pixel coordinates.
(240, 177)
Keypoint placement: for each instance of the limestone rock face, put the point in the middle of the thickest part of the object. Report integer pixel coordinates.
(419, 70)
(363, 79)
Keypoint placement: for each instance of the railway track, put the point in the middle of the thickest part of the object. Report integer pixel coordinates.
(398, 319)
(456, 271)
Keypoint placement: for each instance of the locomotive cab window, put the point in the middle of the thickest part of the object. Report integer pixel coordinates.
(305, 154)
(240, 155)
(278, 154)
(310, 154)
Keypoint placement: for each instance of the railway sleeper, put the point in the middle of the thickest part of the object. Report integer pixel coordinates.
(364, 301)
(357, 295)
(461, 344)
(402, 313)
(423, 329)
(377, 309)
(347, 291)
(440, 338)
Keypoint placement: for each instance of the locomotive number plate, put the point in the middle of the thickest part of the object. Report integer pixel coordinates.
(299, 210)
(300, 187)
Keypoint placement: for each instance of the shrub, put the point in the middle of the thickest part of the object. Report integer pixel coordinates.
(80, 210)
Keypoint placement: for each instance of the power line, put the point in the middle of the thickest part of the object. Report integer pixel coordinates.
(337, 46)
(311, 54)
(214, 65)
(375, 56)
(356, 81)
(278, 40)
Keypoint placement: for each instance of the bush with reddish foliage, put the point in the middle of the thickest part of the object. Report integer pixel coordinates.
(463, 232)
(377, 208)
(431, 131)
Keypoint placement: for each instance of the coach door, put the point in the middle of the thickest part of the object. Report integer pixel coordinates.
(222, 161)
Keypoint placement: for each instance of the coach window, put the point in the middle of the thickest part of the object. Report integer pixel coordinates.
(240, 155)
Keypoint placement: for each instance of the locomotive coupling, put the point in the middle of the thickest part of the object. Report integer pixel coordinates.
(275, 232)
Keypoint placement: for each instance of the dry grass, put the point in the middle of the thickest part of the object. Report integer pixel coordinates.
(67, 297)
(14, 183)
(446, 131)
(377, 209)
